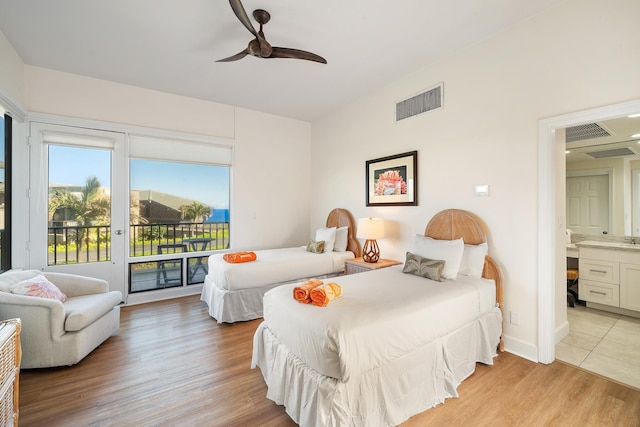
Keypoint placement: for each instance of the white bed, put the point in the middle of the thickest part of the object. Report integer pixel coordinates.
(233, 292)
(392, 346)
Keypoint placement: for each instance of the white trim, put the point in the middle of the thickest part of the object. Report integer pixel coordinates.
(562, 331)
(164, 294)
(547, 214)
(12, 108)
(127, 129)
(521, 348)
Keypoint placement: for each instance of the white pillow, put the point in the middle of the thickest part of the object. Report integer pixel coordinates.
(39, 287)
(329, 237)
(342, 238)
(11, 277)
(472, 262)
(449, 251)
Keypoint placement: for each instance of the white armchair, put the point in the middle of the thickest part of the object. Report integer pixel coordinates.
(58, 333)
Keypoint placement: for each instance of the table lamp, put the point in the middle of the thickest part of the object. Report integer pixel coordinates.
(370, 229)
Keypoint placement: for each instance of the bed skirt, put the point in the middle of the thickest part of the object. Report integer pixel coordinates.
(238, 305)
(385, 396)
(233, 306)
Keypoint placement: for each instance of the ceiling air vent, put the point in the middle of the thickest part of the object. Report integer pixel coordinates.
(586, 131)
(616, 152)
(421, 103)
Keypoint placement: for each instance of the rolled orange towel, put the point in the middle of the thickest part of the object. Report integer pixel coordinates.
(302, 293)
(236, 257)
(323, 295)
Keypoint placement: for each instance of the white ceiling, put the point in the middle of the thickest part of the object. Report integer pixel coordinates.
(171, 45)
(620, 136)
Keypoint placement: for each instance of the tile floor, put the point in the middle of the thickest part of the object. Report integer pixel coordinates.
(605, 343)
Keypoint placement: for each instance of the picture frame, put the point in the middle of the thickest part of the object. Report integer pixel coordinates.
(392, 180)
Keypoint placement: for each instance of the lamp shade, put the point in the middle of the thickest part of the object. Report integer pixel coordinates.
(370, 228)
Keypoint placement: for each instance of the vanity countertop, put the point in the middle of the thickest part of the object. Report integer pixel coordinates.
(608, 245)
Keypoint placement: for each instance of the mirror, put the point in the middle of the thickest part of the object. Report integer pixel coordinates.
(603, 177)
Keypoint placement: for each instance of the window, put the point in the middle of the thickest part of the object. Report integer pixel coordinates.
(5, 191)
(79, 205)
(178, 211)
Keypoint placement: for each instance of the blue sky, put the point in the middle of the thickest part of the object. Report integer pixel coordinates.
(204, 183)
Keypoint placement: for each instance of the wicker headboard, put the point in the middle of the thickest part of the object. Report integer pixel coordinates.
(341, 218)
(452, 224)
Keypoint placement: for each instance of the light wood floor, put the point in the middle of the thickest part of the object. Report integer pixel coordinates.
(172, 365)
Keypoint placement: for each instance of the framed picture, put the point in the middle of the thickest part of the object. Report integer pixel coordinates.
(393, 180)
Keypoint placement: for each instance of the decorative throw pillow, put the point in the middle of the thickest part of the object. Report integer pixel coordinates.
(316, 247)
(342, 239)
(472, 262)
(423, 267)
(449, 251)
(11, 277)
(40, 287)
(329, 237)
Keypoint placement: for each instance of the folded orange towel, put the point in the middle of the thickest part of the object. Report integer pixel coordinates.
(324, 294)
(302, 293)
(236, 257)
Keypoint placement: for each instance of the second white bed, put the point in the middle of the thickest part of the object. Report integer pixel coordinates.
(381, 316)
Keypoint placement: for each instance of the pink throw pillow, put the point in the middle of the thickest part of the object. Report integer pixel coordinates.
(40, 287)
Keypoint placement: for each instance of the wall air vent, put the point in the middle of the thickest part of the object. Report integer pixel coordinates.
(586, 131)
(421, 103)
(616, 152)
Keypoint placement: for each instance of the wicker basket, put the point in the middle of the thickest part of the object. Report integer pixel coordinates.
(9, 371)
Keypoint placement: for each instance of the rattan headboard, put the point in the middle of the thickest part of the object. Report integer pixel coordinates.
(451, 224)
(341, 218)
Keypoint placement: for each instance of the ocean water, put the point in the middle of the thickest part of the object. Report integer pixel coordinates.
(219, 215)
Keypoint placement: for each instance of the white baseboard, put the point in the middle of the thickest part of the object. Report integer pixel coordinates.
(162, 294)
(562, 331)
(521, 348)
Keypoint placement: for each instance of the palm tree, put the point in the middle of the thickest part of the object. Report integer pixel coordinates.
(194, 212)
(90, 207)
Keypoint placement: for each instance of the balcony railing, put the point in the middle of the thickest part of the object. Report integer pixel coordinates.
(72, 245)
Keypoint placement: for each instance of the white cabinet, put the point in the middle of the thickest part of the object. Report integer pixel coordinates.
(630, 286)
(600, 270)
(610, 277)
(599, 281)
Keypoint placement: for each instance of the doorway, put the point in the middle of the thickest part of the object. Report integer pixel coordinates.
(551, 279)
(77, 202)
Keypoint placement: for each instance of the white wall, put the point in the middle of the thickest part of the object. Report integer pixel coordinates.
(495, 93)
(11, 72)
(272, 182)
(55, 92)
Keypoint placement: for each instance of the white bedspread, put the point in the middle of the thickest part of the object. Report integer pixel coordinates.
(274, 266)
(381, 316)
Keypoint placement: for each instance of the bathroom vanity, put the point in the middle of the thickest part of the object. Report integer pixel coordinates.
(609, 275)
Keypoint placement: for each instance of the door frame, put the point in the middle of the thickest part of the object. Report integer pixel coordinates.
(551, 221)
(114, 271)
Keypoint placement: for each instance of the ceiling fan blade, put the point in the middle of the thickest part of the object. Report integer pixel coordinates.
(284, 52)
(238, 9)
(235, 57)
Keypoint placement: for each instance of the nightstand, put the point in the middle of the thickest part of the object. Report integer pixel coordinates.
(358, 265)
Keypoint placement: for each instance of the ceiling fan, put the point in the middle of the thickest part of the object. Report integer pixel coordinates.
(260, 47)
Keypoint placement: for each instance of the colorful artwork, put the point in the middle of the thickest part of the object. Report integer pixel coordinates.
(391, 181)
